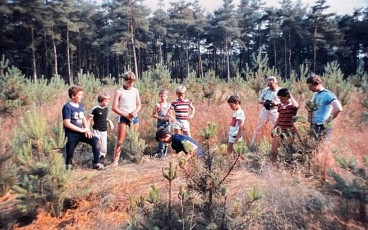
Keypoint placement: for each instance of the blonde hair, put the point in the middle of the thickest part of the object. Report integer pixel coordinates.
(163, 91)
(181, 89)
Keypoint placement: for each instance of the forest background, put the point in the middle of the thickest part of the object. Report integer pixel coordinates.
(48, 38)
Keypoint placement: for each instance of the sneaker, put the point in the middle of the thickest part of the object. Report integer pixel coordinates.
(99, 166)
(115, 163)
(69, 167)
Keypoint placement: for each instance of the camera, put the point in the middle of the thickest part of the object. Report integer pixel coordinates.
(268, 104)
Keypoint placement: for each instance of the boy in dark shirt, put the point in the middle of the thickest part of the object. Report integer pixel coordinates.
(180, 143)
(77, 128)
(100, 121)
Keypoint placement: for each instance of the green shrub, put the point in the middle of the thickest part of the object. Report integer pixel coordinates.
(12, 93)
(357, 189)
(133, 146)
(43, 91)
(334, 81)
(41, 174)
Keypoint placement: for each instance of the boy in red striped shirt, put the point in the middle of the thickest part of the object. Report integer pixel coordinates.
(184, 111)
(287, 110)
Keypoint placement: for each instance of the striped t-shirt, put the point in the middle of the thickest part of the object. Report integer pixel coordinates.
(181, 108)
(286, 114)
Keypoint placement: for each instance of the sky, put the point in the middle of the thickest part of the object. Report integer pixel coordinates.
(340, 7)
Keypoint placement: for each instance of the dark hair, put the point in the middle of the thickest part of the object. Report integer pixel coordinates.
(283, 92)
(315, 80)
(74, 90)
(161, 133)
(234, 99)
(129, 76)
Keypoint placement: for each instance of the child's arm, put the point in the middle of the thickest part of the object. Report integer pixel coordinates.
(293, 101)
(90, 117)
(73, 127)
(191, 115)
(115, 105)
(138, 106)
(240, 130)
(156, 116)
(170, 114)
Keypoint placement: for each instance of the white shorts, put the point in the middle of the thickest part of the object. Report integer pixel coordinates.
(232, 139)
(182, 125)
(102, 136)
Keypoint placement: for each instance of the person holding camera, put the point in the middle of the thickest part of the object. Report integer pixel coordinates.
(327, 108)
(268, 98)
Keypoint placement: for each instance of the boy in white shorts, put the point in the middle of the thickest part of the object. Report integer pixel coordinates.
(236, 124)
(184, 111)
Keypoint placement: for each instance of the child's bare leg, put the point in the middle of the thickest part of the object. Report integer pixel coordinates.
(229, 148)
(275, 148)
(121, 136)
(136, 126)
(177, 131)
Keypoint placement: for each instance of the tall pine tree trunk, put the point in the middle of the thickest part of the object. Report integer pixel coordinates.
(227, 59)
(55, 53)
(134, 52)
(285, 58)
(70, 76)
(290, 67)
(200, 67)
(315, 49)
(33, 47)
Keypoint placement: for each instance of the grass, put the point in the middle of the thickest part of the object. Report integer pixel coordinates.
(290, 201)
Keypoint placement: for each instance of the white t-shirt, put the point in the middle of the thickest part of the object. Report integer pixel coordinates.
(268, 94)
(234, 126)
(128, 99)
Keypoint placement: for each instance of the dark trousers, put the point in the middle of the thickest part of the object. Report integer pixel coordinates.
(321, 132)
(74, 139)
(162, 147)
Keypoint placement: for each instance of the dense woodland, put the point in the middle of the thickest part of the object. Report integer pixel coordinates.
(54, 37)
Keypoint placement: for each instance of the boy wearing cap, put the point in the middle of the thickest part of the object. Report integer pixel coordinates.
(268, 98)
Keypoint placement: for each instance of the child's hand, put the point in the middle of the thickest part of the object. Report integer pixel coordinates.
(88, 134)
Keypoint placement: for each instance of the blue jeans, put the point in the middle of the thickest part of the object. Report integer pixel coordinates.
(162, 147)
(127, 121)
(74, 139)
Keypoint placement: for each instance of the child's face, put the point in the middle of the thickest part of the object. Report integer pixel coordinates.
(234, 106)
(284, 99)
(163, 97)
(78, 97)
(181, 96)
(166, 139)
(105, 102)
(128, 84)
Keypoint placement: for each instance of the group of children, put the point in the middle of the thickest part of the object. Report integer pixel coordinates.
(127, 104)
